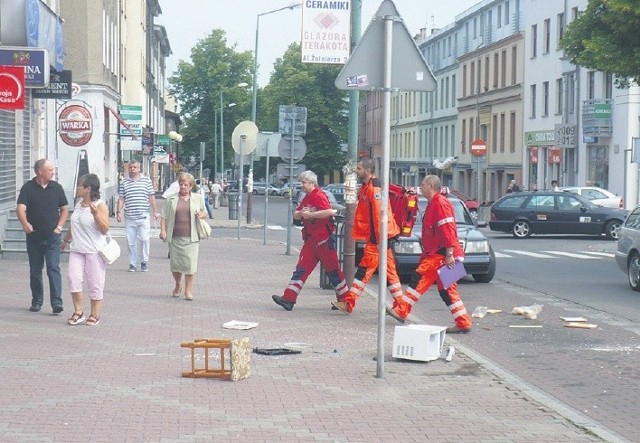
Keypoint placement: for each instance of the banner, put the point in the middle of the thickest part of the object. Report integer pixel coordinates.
(326, 31)
(11, 87)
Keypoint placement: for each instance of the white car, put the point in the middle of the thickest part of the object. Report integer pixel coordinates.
(597, 196)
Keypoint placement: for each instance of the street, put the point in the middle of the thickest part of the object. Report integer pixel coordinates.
(594, 372)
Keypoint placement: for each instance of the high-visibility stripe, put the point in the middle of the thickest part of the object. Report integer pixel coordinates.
(342, 288)
(444, 221)
(295, 286)
(457, 304)
(459, 313)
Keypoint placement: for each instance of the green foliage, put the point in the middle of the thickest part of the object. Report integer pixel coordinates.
(214, 67)
(294, 83)
(606, 38)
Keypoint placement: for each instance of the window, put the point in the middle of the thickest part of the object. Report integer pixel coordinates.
(574, 13)
(472, 79)
(446, 92)
(502, 131)
(503, 73)
(534, 41)
(591, 86)
(532, 112)
(496, 64)
(494, 133)
(547, 36)
(545, 202)
(560, 28)
(545, 99)
(499, 16)
(514, 64)
(464, 80)
(463, 134)
(486, 73)
(512, 132)
(471, 130)
(506, 13)
(571, 91)
(453, 91)
(608, 82)
(559, 96)
(475, 27)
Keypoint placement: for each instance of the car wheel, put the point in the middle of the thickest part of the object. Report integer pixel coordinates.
(486, 278)
(612, 229)
(254, 192)
(474, 213)
(521, 229)
(274, 193)
(633, 272)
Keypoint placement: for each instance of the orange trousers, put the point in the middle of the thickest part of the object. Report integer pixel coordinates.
(367, 267)
(426, 275)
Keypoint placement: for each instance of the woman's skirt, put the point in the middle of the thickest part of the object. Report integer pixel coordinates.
(184, 255)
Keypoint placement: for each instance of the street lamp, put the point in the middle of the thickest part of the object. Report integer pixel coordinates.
(177, 138)
(230, 105)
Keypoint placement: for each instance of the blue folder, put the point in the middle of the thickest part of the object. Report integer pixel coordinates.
(449, 276)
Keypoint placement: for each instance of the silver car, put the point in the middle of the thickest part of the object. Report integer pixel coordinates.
(628, 252)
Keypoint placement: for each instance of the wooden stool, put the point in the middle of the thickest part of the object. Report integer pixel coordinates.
(236, 352)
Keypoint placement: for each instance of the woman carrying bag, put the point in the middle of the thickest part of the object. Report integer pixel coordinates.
(89, 226)
(179, 227)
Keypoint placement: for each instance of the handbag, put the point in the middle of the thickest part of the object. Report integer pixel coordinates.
(111, 251)
(203, 228)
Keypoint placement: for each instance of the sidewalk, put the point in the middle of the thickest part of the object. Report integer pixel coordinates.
(121, 380)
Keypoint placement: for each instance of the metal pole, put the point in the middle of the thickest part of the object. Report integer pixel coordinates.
(384, 228)
(215, 144)
(266, 198)
(221, 138)
(291, 188)
(243, 139)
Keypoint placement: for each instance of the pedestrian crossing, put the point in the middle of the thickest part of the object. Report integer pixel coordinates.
(581, 255)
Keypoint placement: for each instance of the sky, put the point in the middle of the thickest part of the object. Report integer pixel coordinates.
(187, 21)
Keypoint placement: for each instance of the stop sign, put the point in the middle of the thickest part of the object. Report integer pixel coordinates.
(478, 147)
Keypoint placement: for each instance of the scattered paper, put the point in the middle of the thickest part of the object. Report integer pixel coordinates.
(235, 324)
(580, 325)
(525, 326)
(573, 319)
(528, 312)
(494, 311)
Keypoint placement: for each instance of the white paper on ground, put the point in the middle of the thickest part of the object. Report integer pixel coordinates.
(235, 324)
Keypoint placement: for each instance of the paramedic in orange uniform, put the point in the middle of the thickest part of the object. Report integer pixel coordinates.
(319, 242)
(440, 247)
(366, 226)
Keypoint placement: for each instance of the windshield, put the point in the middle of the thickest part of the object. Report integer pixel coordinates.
(461, 213)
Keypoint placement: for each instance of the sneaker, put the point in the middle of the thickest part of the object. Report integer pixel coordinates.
(35, 308)
(132, 268)
(392, 312)
(143, 266)
(342, 306)
(457, 330)
(58, 309)
(287, 305)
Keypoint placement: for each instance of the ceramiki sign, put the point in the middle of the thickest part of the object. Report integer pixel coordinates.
(75, 125)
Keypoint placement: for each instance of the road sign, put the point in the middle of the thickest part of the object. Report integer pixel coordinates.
(285, 148)
(365, 68)
(478, 147)
(284, 170)
(244, 137)
(289, 114)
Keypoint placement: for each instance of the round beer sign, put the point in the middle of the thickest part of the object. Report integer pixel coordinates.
(76, 125)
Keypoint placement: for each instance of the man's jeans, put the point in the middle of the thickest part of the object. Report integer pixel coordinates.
(138, 230)
(39, 252)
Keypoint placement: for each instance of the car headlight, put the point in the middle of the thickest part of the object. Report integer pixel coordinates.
(476, 247)
(407, 247)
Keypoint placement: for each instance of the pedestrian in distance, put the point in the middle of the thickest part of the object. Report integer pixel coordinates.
(42, 210)
(366, 226)
(89, 226)
(513, 187)
(216, 192)
(203, 188)
(440, 247)
(318, 234)
(137, 196)
(554, 186)
(178, 229)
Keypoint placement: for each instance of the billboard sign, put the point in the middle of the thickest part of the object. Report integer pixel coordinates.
(11, 87)
(35, 63)
(326, 31)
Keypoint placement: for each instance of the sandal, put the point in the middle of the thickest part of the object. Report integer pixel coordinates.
(177, 293)
(188, 297)
(76, 319)
(93, 320)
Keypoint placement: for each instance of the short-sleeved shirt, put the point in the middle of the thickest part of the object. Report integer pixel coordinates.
(136, 196)
(318, 229)
(43, 207)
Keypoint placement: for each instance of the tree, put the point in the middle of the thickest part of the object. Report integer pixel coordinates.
(606, 38)
(294, 83)
(214, 67)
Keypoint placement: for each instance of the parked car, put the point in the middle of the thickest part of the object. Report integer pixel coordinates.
(548, 212)
(332, 199)
(597, 196)
(479, 260)
(471, 203)
(261, 188)
(628, 252)
(337, 189)
(288, 191)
